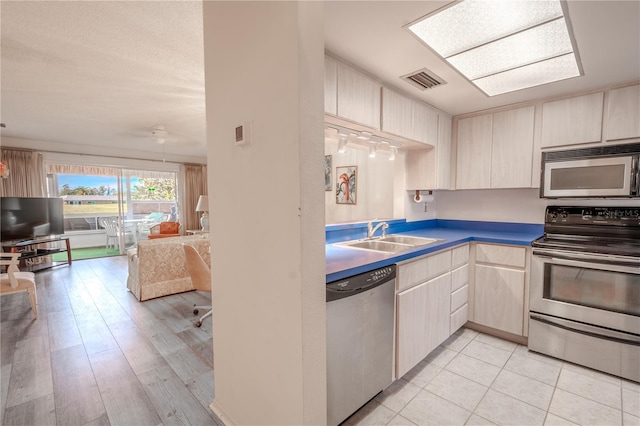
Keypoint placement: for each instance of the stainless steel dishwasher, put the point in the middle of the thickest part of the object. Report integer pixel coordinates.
(360, 312)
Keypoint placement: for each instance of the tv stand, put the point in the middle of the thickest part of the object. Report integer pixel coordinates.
(34, 250)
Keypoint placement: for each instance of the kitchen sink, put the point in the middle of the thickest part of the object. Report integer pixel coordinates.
(412, 241)
(390, 244)
(377, 245)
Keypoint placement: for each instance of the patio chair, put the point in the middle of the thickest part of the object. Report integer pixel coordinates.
(112, 229)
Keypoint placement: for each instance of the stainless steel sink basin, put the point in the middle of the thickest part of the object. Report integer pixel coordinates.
(412, 241)
(390, 244)
(377, 245)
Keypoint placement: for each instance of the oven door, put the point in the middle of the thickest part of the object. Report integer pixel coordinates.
(586, 309)
(594, 177)
(601, 290)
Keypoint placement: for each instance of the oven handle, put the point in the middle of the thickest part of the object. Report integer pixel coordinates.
(605, 262)
(598, 332)
(635, 175)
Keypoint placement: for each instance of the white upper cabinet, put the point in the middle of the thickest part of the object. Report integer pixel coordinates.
(430, 168)
(409, 119)
(576, 120)
(512, 148)
(358, 97)
(623, 113)
(496, 150)
(425, 124)
(330, 86)
(397, 113)
(443, 153)
(474, 152)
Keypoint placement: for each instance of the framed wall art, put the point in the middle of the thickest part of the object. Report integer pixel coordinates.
(346, 185)
(327, 172)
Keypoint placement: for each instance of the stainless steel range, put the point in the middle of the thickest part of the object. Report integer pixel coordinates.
(585, 288)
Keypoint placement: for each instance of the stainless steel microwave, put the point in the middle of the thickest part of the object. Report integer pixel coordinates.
(603, 172)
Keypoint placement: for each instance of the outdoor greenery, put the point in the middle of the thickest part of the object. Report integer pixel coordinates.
(153, 189)
(144, 189)
(87, 190)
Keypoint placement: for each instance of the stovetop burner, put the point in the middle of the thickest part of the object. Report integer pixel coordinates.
(595, 245)
(606, 230)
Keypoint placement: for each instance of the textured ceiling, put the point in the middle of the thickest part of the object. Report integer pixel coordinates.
(103, 73)
(371, 36)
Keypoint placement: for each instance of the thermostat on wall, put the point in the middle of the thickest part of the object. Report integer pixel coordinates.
(243, 134)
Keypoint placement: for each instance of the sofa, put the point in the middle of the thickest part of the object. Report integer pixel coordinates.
(158, 267)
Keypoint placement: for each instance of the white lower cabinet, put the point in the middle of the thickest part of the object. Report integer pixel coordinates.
(500, 287)
(499, 298)
(423, 321)
(432, 303)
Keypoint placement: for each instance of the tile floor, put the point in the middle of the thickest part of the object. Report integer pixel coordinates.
(477, 379)
(88, 320)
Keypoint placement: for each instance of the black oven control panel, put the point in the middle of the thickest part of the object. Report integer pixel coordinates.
(593, 216)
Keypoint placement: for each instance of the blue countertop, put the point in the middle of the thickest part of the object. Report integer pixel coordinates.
(342, 262)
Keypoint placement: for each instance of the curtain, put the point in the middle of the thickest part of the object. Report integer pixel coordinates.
(195, 185)
(27, 176)
(77, 169)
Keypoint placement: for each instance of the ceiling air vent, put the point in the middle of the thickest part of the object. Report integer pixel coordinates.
(423, 79)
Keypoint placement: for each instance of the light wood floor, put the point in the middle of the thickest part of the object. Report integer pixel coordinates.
(97, 356)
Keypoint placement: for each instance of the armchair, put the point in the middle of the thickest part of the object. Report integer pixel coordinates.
(164, 230)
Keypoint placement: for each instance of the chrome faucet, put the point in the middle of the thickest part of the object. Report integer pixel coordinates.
(372, 229)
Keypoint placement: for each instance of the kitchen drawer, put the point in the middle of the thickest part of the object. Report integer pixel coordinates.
(458, 318)
(459, 277)
(501, 255)
(419, 271)
(459, 297)
(459, 256)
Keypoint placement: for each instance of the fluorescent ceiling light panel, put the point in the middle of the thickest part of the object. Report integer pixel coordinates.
(482, 38)
(544, 72)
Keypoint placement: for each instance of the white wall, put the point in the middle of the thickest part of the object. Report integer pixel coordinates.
(422, 210)
(376, 188)
(264, 64)
(492, 205)
(522, 205)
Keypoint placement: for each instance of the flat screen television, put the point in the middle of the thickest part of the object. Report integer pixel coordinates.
(29, 218)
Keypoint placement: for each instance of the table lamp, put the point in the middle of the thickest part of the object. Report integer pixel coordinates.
(203, 206)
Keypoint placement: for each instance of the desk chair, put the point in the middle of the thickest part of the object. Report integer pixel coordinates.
(14, 281)
(200, 277)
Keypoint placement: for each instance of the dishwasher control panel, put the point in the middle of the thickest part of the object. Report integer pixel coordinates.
(359, 283)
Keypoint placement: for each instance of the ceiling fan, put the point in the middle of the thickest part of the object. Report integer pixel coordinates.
(159, 134)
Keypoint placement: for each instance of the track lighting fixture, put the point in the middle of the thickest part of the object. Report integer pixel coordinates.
(342, 143)
(372, 150)
(394, 152)
(364, 136)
